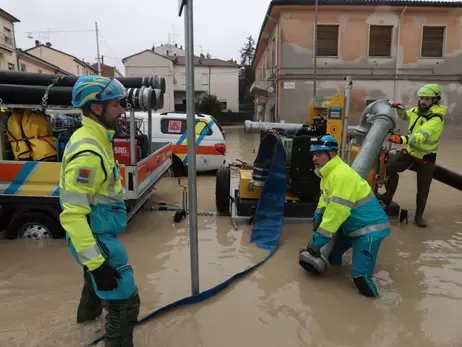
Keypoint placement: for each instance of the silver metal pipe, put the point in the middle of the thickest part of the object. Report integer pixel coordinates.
(190, 125)
(255, 127)
(350, 148)
(378, 119)
(132, 137)
(348, 87)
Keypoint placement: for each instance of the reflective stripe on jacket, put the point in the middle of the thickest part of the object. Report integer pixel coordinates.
(424, 131)
(347, 200)
(91, 191)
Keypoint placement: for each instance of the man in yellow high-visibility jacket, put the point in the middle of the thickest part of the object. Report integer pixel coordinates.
(94, 212)
(426, 123)
(347, 207)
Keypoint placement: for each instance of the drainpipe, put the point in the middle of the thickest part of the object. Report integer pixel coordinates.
(276, 89)
(16, 50)
(398, 50)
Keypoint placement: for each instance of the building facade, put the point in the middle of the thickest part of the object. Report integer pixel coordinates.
(31, 63)
(389, 49)
(107, 71)
(8, 57)
(61, 59)
(212, 76)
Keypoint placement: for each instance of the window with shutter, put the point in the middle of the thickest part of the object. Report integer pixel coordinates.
(432, 42)
(380, 38)
(327, 41)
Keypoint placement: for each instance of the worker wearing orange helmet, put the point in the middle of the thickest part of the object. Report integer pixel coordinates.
(426, 123)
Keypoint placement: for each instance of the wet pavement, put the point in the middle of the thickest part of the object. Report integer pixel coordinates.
(419, 274)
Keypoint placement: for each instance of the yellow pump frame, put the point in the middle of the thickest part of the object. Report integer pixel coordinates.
(330, 108)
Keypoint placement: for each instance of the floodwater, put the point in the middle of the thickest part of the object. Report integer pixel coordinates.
(419, 273)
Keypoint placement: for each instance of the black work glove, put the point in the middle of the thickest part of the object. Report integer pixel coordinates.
(314, 251)
(106, 277)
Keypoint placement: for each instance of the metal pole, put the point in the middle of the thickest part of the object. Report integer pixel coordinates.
(97, 48)
(348, 86)
(190, 126)
(132, 137)
(150, 130)
(315, 49)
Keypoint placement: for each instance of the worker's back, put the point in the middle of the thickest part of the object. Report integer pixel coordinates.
(357, 194)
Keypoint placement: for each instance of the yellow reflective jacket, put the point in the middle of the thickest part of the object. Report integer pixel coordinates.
(91, 191)
(424, 131)
(348, 201)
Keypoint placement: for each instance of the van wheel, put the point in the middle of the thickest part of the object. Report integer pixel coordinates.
(222, 190)
(177, 168)
(33, 225)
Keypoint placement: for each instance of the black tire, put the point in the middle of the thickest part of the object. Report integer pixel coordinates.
(45, 226)
(222, 190)
(177, 169)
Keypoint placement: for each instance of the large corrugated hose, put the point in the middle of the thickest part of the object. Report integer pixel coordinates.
(139, 98)
(266, 229)
(38, 79)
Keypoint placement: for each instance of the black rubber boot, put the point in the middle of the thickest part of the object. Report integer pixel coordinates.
(120, 321)
(90, 305)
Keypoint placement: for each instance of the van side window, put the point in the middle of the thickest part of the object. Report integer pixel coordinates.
(178, 127)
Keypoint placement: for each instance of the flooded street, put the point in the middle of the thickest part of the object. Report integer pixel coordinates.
(418, 272)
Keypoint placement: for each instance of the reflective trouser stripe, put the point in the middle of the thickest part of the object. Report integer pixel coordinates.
(83, 199)
(351, 204)
(369, 229)
(89, 254)
(325, 233)
(320, 210)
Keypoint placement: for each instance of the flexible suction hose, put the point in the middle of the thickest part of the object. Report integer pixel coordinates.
(38, 79)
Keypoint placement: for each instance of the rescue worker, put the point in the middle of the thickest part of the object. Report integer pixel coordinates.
(426, 122)
(94, 211)
(349, 209)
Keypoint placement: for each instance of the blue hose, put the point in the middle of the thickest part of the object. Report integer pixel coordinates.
(266, 229)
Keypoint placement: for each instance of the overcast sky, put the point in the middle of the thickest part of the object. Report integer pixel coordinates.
(130, 26)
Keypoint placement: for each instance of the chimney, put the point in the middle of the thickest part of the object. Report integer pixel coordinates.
(176, 45)
(48, 44)
(166, 51)
(181, 47)
(37, 43)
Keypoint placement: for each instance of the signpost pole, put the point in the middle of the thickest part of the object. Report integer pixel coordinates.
(190, 126)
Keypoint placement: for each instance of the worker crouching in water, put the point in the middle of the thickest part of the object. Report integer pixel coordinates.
(348, 209)
(94, 211)
(426, 122)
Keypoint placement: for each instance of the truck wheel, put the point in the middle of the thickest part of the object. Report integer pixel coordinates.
(34, 226)
(222, 190)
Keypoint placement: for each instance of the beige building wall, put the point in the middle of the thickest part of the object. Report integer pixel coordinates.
(373, 77)
(64, 61)
(31, 66)
(8, 58)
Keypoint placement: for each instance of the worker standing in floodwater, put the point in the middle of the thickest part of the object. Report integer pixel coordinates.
(426, 123)
(347, 207)
(94, 212)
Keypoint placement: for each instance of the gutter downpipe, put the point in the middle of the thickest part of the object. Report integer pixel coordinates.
(276, 79)
(398, 51)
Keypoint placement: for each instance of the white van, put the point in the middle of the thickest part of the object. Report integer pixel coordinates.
(171, 127)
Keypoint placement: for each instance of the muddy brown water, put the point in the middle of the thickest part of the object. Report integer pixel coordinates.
(419, 273)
